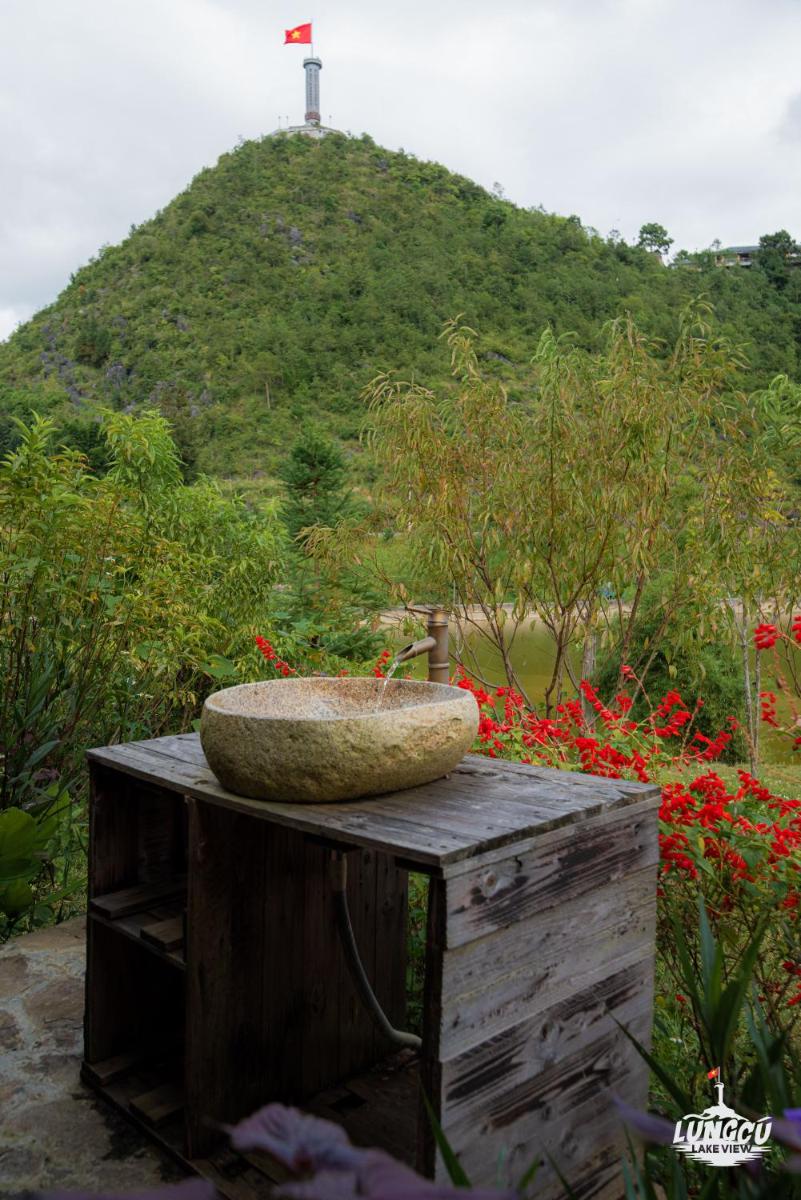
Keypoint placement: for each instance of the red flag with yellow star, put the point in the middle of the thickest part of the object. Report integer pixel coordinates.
(300, 35)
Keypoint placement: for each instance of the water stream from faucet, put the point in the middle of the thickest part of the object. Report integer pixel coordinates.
(382, 690)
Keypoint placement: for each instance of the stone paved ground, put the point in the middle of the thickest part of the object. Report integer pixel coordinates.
(54, 1133)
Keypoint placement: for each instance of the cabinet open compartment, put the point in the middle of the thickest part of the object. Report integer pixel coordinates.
(135, 989)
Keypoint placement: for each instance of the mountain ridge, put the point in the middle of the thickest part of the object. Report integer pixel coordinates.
(284, 278)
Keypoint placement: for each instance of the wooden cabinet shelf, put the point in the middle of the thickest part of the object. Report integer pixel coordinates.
(154, 913)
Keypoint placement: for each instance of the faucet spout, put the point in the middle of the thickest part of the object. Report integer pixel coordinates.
(415, 649)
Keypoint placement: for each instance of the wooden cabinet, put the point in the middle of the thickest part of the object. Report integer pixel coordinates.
(216, 981)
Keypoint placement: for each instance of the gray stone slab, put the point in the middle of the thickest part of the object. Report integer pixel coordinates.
(54, 1132)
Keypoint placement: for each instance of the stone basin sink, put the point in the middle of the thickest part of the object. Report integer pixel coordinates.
(313, 740)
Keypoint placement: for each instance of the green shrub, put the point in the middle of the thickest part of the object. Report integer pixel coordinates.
(125, 598)
(698, 669)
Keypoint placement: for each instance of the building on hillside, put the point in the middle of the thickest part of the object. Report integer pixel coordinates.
(736, 256)
(746, 256)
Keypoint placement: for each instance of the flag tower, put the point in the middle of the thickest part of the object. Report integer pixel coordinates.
(312, 67)
(301, 35)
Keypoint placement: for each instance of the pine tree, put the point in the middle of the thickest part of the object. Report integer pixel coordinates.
(315, 476)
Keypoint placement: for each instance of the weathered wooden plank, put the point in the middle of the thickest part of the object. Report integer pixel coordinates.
(265, 1164)
(349, 822)
(479, 764)
(230, 1045)
(431, 825)
(358, 1035)
(159, 1105)
(185, 747)
(316, 971)
(143, 761)
(469, 812)
(489, 984)
(271, 1015)
(161, 840)
(579, 859)
(113, 824)
(474, 1080)
(384, 1108)
(168, 934)
(139, 898)
(546, 837)
(236, 1180)
(566, 1111)
(131, 927)
(101, 1073)
(599, 1178)
(422, 842)
(431, 1050)
(390, 933)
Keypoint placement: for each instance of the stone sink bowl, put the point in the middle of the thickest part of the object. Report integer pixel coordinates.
(314, 740)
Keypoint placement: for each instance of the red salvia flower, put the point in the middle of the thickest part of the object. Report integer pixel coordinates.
(765, 637)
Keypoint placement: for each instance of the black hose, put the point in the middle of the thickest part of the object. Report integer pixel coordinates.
(339, 869)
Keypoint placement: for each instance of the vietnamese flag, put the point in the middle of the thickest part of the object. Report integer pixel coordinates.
(714, 1073)
(301, 35)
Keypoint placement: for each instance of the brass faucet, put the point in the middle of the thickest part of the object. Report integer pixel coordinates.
(435, 646)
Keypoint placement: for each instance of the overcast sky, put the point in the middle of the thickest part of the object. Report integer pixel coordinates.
(686, 112)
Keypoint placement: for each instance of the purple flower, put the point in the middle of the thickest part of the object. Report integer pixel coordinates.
(300, 1142)
(649, 1126)
(787, 1130)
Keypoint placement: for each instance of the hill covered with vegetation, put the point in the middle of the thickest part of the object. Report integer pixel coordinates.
(286, 277)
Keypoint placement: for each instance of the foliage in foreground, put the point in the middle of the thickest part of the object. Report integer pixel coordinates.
(124, 599)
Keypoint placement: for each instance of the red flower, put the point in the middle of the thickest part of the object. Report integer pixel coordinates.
(767, 702)
(270, 656)
(796, 629)
(765, 637)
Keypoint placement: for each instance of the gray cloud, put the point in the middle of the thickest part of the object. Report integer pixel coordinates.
(623, 111)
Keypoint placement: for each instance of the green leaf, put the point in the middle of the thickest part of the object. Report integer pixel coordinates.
(662, 1073)
(220, 668)
(529, 1175)
(711, 960)
(39, 753)
(456, 1172)
(731, 1002)
(18, 845)
(15, 898)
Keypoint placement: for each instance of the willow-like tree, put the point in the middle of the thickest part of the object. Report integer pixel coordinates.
(638, 461)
